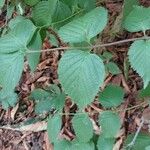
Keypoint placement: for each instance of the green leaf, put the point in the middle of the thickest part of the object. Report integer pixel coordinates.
(112, 96)
(53, 127)
(2, 2)
(81, 74)
(145, 93)
(142, 141)
(11, 69)
(128, 7)
(43, 106)
(110, 124)
(83, 128)
(107, 55)
(82, 146)
(39, 94)
(113, 68)
(42, 14)
(61, 12)
(8, 98)
(105, 143)
(31, 2)
(147, 148)
(138, 19)
(13, 22)
(35, 44)
(84, 28)
(63, 144)
(58, 101)
(12, 52)
(139, 54)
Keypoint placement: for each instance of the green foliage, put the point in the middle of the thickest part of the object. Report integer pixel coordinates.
(42, 15)
(78, 81)
(142, 141)
(83, 128)
(10, 73)
(145, 93)
(48, 99)
(2, 2)
(84, 28)
(35, 44)
(112, 96)
(53, 128)
(138, 53)
(105, 143)
(113, 68)
(110, 124)
(147, 148)
(128, 7)
(82, 146)
(80, 72)
(31, 2)
(138, 19)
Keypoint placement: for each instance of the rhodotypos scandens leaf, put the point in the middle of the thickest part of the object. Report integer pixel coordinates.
(81, 74)
(2, 2)
(83, 128)
(35, 44)
(105, 143)
(138, 19)
(12, 52)
(112, 96)
(139, 57)
(128, 7)
(42, 14)
(53, 128)
(82, 146)
(110, 124)
(84, 28)
(31, 2)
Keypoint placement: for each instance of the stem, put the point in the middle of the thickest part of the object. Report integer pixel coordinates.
(89, 47)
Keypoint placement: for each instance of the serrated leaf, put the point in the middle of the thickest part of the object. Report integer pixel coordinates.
(81, 74)
(105, 143)
(61, 12)
(142, 141)
(113, 68)
(39, 94)
(138, 19)
(83, 128)
(2, 2)
(13, 22)
(53, 127)
(107, 55)
(139, 54)
(112, 96)
(87, 5)
(12, 52)
(128, 7)
(35, 44)
(31, 2)
(145, 93)
(82, 146)
(8, 98)
(58, 101)
(43, 106)
(110, 124)
(42, 14)
(84, 28)
(147, 148)
(63, 144)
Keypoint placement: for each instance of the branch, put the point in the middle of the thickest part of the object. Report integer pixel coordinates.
(89, 47)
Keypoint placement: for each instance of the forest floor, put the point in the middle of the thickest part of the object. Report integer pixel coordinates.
(33, 136)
